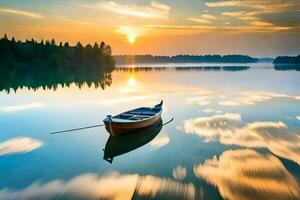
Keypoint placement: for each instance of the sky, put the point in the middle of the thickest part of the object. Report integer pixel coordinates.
(262, 28)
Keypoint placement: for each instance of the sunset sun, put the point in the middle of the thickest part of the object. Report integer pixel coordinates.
(131, 38)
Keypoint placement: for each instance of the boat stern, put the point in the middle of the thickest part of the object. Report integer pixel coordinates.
(107, 122)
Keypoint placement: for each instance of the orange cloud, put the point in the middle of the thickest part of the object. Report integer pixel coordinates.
(153, 11)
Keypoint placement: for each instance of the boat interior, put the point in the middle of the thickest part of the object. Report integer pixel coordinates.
(138, 114)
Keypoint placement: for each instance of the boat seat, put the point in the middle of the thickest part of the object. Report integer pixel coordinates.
(139, 116)
(143, 113)
(124, 116)
(131, 116)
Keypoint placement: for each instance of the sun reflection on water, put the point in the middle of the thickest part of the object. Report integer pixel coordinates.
(131, 81)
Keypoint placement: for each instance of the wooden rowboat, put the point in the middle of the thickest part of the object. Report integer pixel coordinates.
(132, 120)
(116, 146)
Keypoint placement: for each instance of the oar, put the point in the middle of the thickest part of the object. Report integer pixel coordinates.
(76, 129)
(94, 126)
(168, 121)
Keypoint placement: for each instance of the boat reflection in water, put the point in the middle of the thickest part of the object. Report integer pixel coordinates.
(116, 146)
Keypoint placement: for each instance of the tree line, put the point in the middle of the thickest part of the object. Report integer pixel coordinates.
(125, 59)
(287, 60)
(50, 54)
(12, 80)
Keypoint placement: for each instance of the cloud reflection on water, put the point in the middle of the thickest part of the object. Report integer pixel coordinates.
(204, 99)
(252, 98)
(179, 172)
(238, 99)
(228, 129)
(211, 110)
(247, 174)
(16, 108)
(110, 186)
(19, 145)
(160, 141)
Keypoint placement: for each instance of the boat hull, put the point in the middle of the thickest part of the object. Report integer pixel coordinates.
(117, 128)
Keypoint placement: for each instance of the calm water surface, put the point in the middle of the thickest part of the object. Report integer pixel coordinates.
(235, 135)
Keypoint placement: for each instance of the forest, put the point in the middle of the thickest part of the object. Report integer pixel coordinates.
(34, 54)
(46, 65)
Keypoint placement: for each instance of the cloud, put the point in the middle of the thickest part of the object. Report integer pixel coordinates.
(19, 145)
(207, 16)
(256, 12)
(247, 174)
(234, 14)
(259, 29)
(298, 117)
(25, 13)
(199, 20)
(182, 27)
(179, 173)
(204, 19)
(73, 21)
(261, 23)
(21, 107)
(262, 6)
(223, 4)
(242, 15)
(155, 10)
(228, 129)
(110, 186)
(160, 141)
(252, 98)
(228, 29)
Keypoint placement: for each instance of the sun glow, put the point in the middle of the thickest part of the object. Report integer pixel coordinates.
(131, 38)
(131, 33)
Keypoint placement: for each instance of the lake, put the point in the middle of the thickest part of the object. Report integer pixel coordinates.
(235, 135)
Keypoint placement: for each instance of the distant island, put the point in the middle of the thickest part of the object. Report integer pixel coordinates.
(32, 53)
(294, 60)
(196, 68)
(283, 63)
(128, 59)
